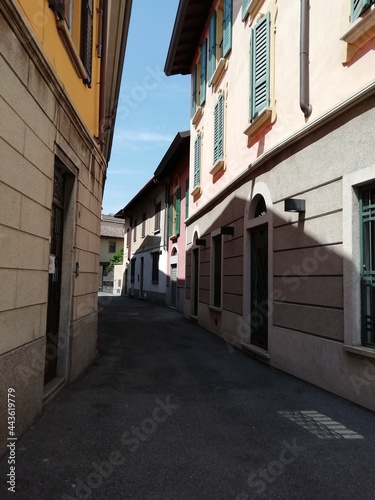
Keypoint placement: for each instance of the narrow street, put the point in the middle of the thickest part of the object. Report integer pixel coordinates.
(169, 411)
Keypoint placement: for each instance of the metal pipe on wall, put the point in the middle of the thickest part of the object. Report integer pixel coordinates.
(304, 58)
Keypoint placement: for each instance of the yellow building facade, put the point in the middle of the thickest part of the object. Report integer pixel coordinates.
(60, 71)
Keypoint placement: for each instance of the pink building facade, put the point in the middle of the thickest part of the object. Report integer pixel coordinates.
(280, 234)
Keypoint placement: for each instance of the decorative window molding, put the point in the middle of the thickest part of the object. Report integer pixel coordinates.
(197, 115)
(218, 167)
(219, 71)
(359, 33)
(68, 43)
(250, 8)
(261, 121)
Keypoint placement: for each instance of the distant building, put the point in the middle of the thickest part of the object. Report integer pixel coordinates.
(111, 241)
(155, 230)
(60, 65)
(280, 234)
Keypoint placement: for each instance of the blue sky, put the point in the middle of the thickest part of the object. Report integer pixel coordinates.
(152, 107)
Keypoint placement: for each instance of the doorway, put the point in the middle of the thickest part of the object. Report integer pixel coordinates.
(55, 273)
(174, 285)
(259, 287)
(141, 278)
(195, 281)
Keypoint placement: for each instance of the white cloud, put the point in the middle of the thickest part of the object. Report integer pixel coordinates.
(142, 136)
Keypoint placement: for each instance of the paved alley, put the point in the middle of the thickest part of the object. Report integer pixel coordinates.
(169, 411)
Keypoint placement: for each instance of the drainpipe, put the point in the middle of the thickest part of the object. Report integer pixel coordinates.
(304, 58)
(103, 67)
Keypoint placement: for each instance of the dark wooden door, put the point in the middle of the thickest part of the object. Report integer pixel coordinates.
(54, 286)
(259, 287)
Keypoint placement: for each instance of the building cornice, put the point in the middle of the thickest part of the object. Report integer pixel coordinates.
(344, 106)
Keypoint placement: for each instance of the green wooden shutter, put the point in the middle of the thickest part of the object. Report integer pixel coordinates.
(358, 6)
(178, 210)
(203, 82)
(170, 215)
(212, 47)
(219, 129)
(245, 5)
(260, 66)
(187, 199)
(86, 38)
(194, 92)
(227, 27)
(197, 161)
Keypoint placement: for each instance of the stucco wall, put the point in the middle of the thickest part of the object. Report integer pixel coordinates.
(40, 125)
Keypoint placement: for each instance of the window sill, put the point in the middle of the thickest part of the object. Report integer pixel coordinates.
(219, 71)
(359, 33)
(256, 350)
(361, 350)
(262, 120)
(67, 41)
(157, 231)
(253, 8)
(197, 115)
(174, 237)
(218, 167)
(197, 191)
(215, 309)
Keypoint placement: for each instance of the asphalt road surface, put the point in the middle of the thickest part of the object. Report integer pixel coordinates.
(170, 412)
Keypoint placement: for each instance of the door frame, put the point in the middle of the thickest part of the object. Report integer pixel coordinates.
(195, 259)
(252, 222)
(70, 173)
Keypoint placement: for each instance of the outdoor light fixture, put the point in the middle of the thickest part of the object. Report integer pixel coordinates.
(201, 242)
(227, 230)
(294, 205)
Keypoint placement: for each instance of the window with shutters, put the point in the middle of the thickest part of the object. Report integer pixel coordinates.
(197, 166)
(128, 238)
(198, 85)
(218, 151)
(74, 20)
(112, 247)
(174, 210)
(250, 8)
(361, 27)
(143, 224)
(260, 76)
(219, 40)
(135, 230)
(157, 217)
(216, 271)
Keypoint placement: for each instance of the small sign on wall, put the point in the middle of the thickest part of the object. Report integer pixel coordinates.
(52, 267)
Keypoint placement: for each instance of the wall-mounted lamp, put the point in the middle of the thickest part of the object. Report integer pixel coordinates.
(201, 242)
(227, 230)
(294, 205)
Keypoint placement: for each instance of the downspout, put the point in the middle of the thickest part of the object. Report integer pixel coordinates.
(103, 67)
(304, 58)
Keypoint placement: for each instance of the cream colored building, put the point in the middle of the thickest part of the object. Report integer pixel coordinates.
(111, 242)
(280, 233)
(60, 71)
